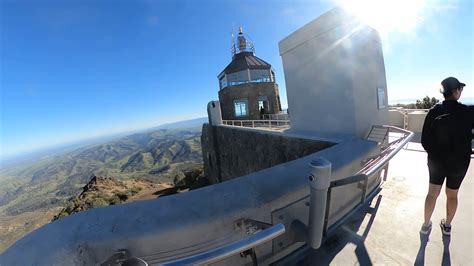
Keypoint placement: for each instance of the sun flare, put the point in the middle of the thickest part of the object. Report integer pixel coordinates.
(387, 15)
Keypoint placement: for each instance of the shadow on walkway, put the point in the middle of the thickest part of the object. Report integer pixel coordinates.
(446, 255)
(420, 257)
(335, 243)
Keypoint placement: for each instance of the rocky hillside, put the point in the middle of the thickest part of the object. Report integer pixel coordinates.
(145, 165)
(156, 156)
(105, 191)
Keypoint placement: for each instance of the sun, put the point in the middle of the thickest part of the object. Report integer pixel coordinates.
(387, 15)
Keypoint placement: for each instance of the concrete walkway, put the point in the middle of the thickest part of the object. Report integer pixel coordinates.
(387, 232)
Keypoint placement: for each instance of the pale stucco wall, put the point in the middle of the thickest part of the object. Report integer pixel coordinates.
(416, 120)
(396, 118)
(333, 67)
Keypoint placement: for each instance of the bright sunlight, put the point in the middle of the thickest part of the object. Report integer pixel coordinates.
(387, 15)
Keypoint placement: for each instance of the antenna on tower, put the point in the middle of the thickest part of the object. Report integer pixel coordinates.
(232, 43)
(240, 43)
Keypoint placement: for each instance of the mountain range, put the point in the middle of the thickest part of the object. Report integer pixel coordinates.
(31, 193)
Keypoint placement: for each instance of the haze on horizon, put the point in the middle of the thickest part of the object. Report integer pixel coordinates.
(79, 69)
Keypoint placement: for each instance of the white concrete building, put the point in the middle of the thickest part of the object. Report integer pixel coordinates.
(335, 76)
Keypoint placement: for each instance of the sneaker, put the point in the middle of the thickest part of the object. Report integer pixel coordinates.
(425, 229)
(445, 228)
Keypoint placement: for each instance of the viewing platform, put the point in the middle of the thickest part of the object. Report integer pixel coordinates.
(323, 185)
(386, 232)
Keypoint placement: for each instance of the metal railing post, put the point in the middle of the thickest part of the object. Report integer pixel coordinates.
(319, 181)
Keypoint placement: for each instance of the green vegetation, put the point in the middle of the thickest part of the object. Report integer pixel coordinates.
(105, 191)
(191, 179)
(157, 156)
(425, 103)
(143, 165)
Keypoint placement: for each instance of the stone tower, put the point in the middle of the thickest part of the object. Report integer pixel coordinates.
(247, 86)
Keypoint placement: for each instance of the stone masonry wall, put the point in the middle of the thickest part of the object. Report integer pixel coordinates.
(229, 152)
(251, 92)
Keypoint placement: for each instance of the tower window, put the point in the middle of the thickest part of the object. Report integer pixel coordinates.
(260, 75)
(237, 78)
(223, 82)
(240, 108)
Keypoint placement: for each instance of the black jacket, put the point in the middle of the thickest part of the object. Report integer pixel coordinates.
(466, 119)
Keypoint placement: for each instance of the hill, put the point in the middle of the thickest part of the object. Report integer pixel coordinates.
(45, 186)
(105, 191)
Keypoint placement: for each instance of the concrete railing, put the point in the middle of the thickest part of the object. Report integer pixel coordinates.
(411, 119)
(320, 187)
(216, 222)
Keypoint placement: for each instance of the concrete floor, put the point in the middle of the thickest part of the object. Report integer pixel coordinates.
(387, 231)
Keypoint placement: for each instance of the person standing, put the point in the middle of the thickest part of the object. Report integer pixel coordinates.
(446, 137)
(262, 112)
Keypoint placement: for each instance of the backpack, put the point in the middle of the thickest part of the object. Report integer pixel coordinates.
(447, 133)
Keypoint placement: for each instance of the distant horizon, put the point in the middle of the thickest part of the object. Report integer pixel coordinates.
(464, 100)
(109, 136)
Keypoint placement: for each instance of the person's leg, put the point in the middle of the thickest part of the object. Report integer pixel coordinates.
(453, 183)
(430, 201)
(451, 204)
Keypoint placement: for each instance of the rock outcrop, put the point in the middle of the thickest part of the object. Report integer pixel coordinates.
(104, 191)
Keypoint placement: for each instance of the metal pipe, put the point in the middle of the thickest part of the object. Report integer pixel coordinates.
(376, 165)
(319, 181)
(391, 151)
(220, 253)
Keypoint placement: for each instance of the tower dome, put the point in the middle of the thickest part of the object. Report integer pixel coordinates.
(241, 44)
(245, 66)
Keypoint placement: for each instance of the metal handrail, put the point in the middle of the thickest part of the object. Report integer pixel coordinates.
(223, 252)
(254, 123)
(265, 120)
(249, 47)
(376, 164)
(280, 116)
(373, 166)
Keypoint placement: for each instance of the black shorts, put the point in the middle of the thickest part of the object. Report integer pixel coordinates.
(453, 171)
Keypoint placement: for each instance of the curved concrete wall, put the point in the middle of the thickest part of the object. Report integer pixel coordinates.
(230, 152)
(415, 121)
(396, 118)
(179, 225)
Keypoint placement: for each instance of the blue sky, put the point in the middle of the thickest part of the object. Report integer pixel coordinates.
(77, 69)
